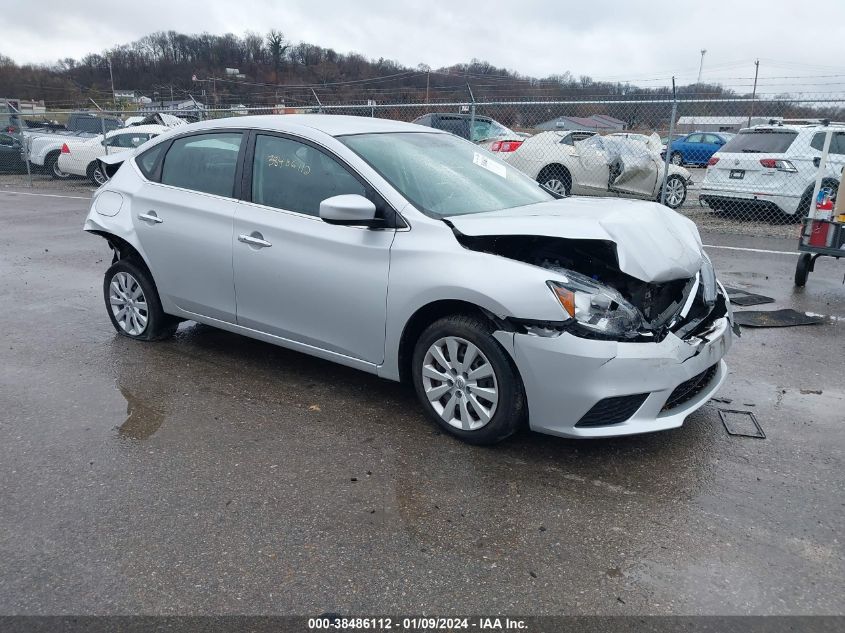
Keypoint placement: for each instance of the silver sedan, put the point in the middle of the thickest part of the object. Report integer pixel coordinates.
(415, 255)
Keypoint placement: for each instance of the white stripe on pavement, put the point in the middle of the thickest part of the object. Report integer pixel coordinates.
(45, 195)
(752, 250)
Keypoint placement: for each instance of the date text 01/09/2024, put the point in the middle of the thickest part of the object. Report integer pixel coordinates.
(415, 624)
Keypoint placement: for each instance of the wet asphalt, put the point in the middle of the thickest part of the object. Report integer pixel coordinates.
(215, 474)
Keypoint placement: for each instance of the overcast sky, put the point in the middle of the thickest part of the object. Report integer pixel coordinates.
(631, 40)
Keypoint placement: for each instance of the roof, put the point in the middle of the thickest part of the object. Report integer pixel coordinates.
(720, 120)
(331, 124)
(593, 122)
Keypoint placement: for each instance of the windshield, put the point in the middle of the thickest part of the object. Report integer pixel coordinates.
(444, 175)
(759, 141)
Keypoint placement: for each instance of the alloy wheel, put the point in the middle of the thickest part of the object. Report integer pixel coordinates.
(99, 177)
(674, 192)
(460, 383)
(556, 186)
(128, 304)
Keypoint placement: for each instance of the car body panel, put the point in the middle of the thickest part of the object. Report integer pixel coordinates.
(348, 293)
(639, 168)
(336, 301)
(653, 243)
(782, 189)
(85, 151)
(697, 148)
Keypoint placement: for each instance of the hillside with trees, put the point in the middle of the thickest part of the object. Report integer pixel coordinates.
(273, 70)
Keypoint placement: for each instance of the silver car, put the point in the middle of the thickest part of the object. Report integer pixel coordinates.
(415, 255)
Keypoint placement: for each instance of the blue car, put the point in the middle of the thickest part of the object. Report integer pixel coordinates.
(697, 148)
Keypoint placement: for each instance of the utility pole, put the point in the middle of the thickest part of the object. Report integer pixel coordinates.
(701, 65)
(111, 76)
(754, 91)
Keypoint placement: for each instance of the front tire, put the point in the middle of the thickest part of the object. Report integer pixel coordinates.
(466, 382)
(676, 158)
(133, 304)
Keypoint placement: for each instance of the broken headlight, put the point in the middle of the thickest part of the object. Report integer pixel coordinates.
(595, 307)
(708, 280)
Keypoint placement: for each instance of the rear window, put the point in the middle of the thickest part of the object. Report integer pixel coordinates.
(760, 141)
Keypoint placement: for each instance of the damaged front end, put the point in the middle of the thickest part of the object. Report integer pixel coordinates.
(601, 301)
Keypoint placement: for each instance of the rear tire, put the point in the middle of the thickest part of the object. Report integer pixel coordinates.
(556, 179)
(51, 166)
(676, 191)
(133, 305)
(466, 382)
(807, 200)
(96, 175)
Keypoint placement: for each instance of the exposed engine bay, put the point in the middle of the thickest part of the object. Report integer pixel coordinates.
(660, 304)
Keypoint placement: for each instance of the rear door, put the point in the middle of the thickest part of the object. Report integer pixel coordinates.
(183, 217)
(835, 156)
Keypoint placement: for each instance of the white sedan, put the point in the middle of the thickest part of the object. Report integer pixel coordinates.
(600, 166)
(79, 155)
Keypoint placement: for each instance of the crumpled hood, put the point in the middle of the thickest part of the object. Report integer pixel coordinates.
(653, 243)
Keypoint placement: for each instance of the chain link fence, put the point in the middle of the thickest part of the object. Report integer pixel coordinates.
(735, 165)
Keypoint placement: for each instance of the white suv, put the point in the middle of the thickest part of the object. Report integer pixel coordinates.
(773, 168)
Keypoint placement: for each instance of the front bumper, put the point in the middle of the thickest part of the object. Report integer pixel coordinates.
(566, 377)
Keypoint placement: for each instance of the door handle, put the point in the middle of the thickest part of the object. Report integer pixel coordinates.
(150, 217)
(256, 239)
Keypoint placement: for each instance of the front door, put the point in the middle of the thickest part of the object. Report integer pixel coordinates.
(297, 277)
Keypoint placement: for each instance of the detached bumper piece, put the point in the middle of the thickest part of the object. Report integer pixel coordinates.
(612, 410)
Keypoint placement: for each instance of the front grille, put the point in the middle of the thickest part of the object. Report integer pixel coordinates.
(689, 389)
(613, 410)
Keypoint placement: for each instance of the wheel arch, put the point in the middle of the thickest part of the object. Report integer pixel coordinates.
(428, 314)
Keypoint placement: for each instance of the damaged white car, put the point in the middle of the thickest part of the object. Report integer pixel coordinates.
(413, 254)
(622, 164)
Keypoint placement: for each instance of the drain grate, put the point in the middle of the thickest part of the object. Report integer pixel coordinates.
(742, 423)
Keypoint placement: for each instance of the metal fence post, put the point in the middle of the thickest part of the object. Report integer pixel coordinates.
(25, 144)
(669, 143)
(471, 111)
(103, 127)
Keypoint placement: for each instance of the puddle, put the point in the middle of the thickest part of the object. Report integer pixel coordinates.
(141, 419)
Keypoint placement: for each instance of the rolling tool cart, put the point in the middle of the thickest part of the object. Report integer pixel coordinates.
(823, 231)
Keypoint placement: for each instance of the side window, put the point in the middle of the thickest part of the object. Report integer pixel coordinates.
(127, 140)
(837, 143)
(147, 161)
(694, 138)
(711, 138)
(205, 163)
(293, 176)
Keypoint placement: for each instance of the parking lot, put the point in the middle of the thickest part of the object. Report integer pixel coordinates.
(216, 474)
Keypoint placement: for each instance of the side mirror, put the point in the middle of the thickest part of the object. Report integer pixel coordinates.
(349, 210)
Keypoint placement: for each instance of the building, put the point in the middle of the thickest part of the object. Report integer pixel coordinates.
(720, 123)
(594, 123)
(176, 107)
(23, 106)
